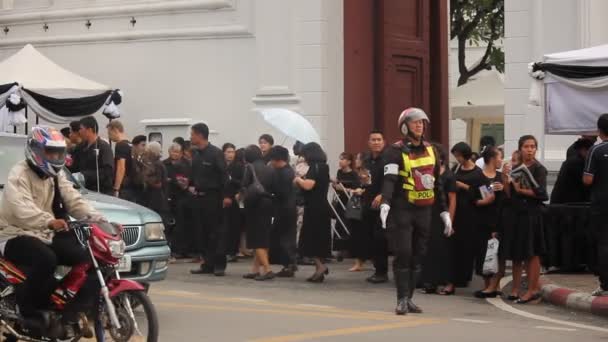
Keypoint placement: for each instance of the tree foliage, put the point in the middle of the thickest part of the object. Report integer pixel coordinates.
(477, 22)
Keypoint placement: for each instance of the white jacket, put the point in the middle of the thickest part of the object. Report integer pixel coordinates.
(26, 207)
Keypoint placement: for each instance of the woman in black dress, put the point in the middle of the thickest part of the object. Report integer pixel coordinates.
(489, 205)
(258, 213)
(315, 237)
(468, 176)
(348, 180)
(525, 242)
(436, 269)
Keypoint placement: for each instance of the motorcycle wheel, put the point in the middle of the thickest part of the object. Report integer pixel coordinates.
(145, 316)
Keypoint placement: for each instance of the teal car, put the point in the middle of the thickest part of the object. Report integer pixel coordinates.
(147, 253)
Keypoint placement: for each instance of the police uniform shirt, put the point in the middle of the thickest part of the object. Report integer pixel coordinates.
(208, 170)
(597, 166)
(392, 188)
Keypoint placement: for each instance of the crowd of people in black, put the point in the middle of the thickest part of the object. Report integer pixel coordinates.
(259, 201)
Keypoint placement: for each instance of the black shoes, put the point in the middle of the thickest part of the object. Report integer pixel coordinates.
(402, 307)
(377, 278)
(250, 275)
(413, 308)
(318, 277)
(202, 270)
(208, 270)
(263, 277)
(481, 294)
(286, 272)
(535, 297)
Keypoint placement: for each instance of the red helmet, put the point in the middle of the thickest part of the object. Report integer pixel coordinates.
(411, 114)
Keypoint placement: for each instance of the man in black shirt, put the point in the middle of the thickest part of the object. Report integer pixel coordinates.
(372, 198)
(572, 149)
(285, 209)
(596, 176)
(94, 158)
(123, 161)
(569, 187)
(207, 184)
(265, 142)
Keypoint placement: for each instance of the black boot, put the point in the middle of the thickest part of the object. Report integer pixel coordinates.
(402, 282)
(414, 276)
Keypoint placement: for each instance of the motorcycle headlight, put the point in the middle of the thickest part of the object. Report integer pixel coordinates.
(155, 231)
(117, 248)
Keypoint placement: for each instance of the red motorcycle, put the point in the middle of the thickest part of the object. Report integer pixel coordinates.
(123, 309)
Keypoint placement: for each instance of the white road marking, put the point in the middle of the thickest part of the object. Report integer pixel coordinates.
(499, 303)
(466, 320)
(554, 328)
(316, 306)
(254, 300)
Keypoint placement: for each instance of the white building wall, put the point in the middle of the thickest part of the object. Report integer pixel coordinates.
(209, 60)
(534, 28)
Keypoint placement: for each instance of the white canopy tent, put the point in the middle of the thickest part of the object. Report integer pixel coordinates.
(50, 91)
(572, 86)
(483, 96)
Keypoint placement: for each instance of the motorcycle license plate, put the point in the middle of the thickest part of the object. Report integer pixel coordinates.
(125, 264)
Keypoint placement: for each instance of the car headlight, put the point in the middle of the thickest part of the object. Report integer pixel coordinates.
(117, 248)
(155, 231)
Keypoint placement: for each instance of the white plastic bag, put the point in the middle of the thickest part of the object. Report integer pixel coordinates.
(490, 264)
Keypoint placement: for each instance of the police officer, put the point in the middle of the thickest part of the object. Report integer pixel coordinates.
(410, 188)
(208, 181)
(596, 176)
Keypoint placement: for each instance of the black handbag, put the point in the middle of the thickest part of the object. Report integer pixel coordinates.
(354, 208)
(255, 190)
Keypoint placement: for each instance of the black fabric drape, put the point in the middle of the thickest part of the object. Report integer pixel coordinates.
(572, 71)
(6, 87)
(71, 107)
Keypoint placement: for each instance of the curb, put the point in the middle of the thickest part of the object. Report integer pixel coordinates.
(571, 299)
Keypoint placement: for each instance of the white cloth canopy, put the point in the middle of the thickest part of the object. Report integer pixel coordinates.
(572, 105)
(41, 79)
(483, 96)
(34, 71)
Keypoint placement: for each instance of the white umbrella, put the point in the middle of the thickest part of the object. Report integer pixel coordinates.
(291, 124)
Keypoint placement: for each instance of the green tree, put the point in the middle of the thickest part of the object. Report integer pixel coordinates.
(477, 22)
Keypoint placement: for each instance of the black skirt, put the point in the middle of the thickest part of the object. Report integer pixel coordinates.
(315, 236)
(523, 235)
(258, 218)
(437, 264)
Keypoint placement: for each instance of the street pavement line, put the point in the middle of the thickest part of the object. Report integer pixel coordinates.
(254, 300)
(314, 306)
(466, 320)
(345, 331)
(177, 294)
(554, 328)
(499, 303)
(324, 314)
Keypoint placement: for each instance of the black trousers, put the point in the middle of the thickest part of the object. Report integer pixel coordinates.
(285, 226)
(409, 228)
(379, 243)
(233, 222)
(210, 230)
(39, 261)
(599, 222)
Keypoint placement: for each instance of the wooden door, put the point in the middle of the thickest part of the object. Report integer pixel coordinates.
(404, 65)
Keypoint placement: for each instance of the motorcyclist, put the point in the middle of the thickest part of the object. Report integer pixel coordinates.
(410, 188)
(37, 202)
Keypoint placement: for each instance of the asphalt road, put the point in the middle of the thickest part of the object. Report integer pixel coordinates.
(346, 308)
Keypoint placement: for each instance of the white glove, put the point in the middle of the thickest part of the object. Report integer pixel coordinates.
(384, 209)
(447, 222)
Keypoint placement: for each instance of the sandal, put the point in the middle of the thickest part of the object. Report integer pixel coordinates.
(443, 292)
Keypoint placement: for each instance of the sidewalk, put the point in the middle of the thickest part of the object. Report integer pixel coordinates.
(573, 291)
